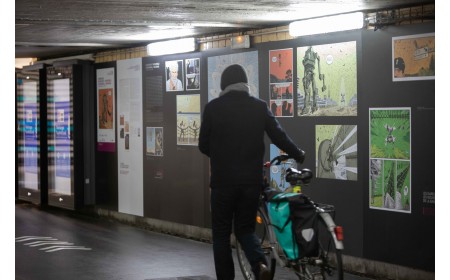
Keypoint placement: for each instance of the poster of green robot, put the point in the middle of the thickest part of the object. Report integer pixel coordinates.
(337, 152)
(327, 80)
(188, 119)
(390, 159)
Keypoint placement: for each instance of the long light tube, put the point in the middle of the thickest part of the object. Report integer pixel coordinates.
(326, 24)
(172, 46)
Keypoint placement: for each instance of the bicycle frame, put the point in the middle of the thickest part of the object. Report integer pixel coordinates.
(325, 216)
(329, 222)
(328, 260)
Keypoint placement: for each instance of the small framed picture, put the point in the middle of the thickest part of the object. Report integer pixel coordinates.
(413, 57)
(192, 73)
(174, 75)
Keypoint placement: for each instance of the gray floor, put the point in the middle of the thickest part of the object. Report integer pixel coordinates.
(53, 244)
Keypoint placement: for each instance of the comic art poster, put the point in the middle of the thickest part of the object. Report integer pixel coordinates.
(106, 140)
(188, 119)
(278, 172)
(280, 82)
(105, 108)
(337, 152)
(327, 80)
(390, 159)
(174, 75)
(413, 57)
(192, 73)
(155, 141)
(216, 65)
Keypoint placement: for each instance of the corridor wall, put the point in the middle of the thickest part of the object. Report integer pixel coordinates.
(175, 173)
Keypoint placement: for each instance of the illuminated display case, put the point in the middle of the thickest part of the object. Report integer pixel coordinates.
(69, 155)
(30, 134)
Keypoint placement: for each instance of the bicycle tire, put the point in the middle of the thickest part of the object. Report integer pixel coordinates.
(328, 264)
(262, 231)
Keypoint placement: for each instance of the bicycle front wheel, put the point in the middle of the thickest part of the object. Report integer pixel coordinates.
(262, 231)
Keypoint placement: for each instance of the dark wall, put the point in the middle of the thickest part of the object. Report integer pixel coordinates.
(341, 193)
(176, 185)
(405, 239)
(106, 180)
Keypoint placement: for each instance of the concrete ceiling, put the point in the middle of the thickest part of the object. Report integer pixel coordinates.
(59, 28)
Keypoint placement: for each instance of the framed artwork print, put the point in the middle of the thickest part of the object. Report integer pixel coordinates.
(413, 57)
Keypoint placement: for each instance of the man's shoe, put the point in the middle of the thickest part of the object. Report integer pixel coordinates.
(264, 272)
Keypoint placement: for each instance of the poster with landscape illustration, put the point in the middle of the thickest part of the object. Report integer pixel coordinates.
(188, 119)
(327, 80)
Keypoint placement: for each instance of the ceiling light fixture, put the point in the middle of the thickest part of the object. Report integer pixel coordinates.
(328, 24)
(172, 46)
(240, 42)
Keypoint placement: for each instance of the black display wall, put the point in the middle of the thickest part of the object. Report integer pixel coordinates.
(174, 180)
(346, 195)
(106, 185)
(176, 184)
(401, 238)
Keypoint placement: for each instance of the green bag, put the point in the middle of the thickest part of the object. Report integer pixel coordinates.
(295, 223)
(280, 214)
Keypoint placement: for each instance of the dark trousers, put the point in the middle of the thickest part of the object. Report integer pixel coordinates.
(236, 204)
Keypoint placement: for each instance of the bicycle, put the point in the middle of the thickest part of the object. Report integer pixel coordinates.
(327, 264)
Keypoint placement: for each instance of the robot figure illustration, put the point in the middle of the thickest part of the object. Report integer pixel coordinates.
(309, 82)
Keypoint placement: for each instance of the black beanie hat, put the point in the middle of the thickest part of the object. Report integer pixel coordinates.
(233, 74)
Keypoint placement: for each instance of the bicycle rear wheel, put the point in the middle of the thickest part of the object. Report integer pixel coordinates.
(328, 264)
(262, 231)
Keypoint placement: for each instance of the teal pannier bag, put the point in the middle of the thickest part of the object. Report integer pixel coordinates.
(280, 214)
(295, 223)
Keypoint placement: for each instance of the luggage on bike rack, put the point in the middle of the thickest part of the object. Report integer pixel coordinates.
(295, 223)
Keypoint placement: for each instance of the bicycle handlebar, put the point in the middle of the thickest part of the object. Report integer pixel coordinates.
(277, 159)
(293, 176)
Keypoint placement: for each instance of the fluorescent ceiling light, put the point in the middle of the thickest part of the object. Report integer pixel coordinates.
(172, 46)
(326, 24)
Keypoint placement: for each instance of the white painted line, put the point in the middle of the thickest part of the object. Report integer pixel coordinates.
(46, 240)
(26, 238)
(41, 243)
(68, 248)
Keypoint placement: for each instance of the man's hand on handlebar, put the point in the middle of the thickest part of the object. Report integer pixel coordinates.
(301, 158)
(281, 158)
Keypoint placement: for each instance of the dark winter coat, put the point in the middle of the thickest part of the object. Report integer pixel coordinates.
(232, 135)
